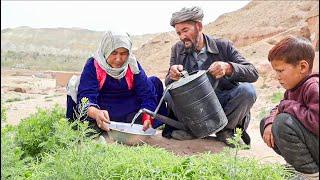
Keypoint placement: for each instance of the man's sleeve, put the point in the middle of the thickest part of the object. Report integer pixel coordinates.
(173, 61)
(243, 71)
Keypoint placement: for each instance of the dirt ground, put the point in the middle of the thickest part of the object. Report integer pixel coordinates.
(22, 92)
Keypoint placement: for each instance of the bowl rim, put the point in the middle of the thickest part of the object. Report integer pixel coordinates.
(112, 126)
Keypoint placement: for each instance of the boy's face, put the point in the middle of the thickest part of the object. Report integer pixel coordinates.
(290, 75)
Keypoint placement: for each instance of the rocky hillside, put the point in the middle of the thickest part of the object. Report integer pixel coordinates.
(253, 29)
(60, 41)
(53, 48)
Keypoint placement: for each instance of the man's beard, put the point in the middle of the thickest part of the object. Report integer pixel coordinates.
(193, 46)
(190, 48)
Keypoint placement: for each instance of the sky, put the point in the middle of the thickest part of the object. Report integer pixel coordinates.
(134, 17)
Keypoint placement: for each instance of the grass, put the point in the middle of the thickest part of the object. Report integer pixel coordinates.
(263, 113)
(276, 97)
(37, 61)
(46, 146)
(52, 96)
(15, 99)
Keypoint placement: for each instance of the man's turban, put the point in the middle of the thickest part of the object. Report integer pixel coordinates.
(187, 14)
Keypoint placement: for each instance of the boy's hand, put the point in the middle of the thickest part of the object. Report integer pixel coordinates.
(146, 124)
(268, 137)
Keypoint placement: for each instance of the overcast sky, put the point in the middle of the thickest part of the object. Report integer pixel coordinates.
(134, 17)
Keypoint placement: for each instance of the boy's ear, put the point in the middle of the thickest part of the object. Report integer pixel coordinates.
(304, 66)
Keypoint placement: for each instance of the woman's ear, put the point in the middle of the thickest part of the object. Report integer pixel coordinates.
(304, 66)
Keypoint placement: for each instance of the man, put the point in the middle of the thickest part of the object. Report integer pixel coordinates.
(198, 51)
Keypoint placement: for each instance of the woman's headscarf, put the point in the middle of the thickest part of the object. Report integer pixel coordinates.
(111, 41)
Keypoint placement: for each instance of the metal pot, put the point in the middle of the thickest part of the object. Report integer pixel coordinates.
(130, 135)
(197, 104)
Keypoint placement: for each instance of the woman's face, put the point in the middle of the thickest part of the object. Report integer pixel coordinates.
(118, 57)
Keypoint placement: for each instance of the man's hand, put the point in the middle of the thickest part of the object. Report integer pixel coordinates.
(146, 124)
(175, 72)
(219, 69)
(268, 137)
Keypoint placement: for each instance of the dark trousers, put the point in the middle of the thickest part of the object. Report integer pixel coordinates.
(235, 102)
(297, 145)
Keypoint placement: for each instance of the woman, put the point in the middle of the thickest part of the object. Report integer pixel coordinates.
(117, 86)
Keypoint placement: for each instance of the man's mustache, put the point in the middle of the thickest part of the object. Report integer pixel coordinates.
(185, 40)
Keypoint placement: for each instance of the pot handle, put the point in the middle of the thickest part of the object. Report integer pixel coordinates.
(163, 95)
(165, 119)
(216, 81)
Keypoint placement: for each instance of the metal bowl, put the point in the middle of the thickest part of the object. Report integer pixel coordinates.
(124, 133)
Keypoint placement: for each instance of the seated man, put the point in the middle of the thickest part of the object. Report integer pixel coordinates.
(292, 128)
(116, 86)
(198, 51)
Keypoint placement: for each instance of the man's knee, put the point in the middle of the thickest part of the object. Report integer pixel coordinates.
(247, 92)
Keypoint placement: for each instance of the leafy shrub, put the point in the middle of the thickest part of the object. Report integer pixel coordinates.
(113, 161)
(37, 129)
(45, 132)
(45, 146)
(12, 164)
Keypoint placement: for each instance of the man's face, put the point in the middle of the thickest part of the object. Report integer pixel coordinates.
(188, 33)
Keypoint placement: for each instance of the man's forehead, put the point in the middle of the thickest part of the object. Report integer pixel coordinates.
(184, 24)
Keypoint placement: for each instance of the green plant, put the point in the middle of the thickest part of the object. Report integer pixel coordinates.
(52, 96)
(276, 97)
(12, 164)
(50, 149)
(37, 129)
(3, 113)
(18, 99)
(81, 112)
(14, 99)
(262, 113)
(238, 146)
(114, 161)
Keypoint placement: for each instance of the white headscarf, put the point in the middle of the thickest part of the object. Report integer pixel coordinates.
(111, 41)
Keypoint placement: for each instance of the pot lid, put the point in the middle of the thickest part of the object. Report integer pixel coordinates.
(186, 79)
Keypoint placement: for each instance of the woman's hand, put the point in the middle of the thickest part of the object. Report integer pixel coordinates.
(146, 124)
(268, 137)
(101, 117)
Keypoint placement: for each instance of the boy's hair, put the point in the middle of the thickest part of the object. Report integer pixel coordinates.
(292, 50)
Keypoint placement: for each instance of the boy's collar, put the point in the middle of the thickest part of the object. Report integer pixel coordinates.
(304, 80)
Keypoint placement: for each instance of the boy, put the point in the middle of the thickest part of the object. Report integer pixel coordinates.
(292, 128)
